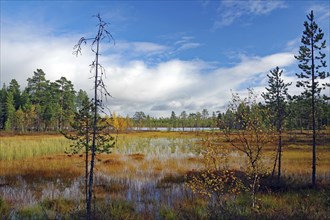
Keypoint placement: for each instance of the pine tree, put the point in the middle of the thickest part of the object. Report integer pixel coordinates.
(311, 62)
(10, 112)
(83, 136)
(66, 95)
(3, 96)
(37, 88)
(275, 98)
(183, 119)
(173, 119)
(81, 98)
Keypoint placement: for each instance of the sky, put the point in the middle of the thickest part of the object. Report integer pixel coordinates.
(166, 55)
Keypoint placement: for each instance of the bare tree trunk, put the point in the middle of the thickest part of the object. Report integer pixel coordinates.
(95, 104)
(91, 172)
(86, 162)
(279, 153)
(274, 167)
(313, 119)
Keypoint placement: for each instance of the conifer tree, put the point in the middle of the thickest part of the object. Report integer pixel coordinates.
(183, 119)
(275, 98)
(83, 135)
(10, 111)
(37, 89)
(3, 95)
(14, 88)
(66, 96)
(312, 63)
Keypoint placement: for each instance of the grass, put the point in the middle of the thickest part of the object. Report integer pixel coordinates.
(26, 146)
(144, 179)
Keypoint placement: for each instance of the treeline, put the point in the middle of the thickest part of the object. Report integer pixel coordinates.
(50, 106)
(296, 117)
(42, 106)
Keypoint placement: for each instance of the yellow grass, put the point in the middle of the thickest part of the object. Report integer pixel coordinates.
(21, 147)
(38, 161)
(42, 155)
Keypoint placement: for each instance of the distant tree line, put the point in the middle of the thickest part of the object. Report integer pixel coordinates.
(50, 106)
(293, 116)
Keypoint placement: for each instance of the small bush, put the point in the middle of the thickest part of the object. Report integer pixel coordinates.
(168, 214)
(31, 212)
(195, 209)
(59, 206)
(116, 210)
(4, 209)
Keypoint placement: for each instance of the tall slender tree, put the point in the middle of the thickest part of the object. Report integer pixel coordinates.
(173, 119)
(14, 88)
(183, 119)
(99, 92)
(66, 98)
(3, 96)
(82, 137)
(275, 98)
(205, 116)
(10, 111)
(312, 63)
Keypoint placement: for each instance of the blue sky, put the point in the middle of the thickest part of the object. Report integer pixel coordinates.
(169, 55)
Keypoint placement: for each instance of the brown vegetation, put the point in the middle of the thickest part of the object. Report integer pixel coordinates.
(145, 184)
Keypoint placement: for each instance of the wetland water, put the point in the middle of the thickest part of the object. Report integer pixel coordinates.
(150, 180)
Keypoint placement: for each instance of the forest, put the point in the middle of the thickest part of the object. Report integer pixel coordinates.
(50, 106)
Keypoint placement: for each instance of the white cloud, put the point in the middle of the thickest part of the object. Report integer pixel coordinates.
(184, 43)
(139, 48)
(135, 85)
(187, 46)
(149, 51)
(229, 11)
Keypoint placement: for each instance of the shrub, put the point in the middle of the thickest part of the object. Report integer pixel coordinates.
(4, 209)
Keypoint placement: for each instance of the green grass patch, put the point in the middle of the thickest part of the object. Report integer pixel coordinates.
(22, 147)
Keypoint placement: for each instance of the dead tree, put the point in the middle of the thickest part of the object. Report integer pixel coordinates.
(98, 142)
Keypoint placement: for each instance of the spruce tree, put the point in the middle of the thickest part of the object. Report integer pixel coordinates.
(14, 88)
(275, 98)
(312, 62)
(10, 112)
(3, 95)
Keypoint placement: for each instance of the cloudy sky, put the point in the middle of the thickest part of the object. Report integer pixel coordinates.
(168, 55)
